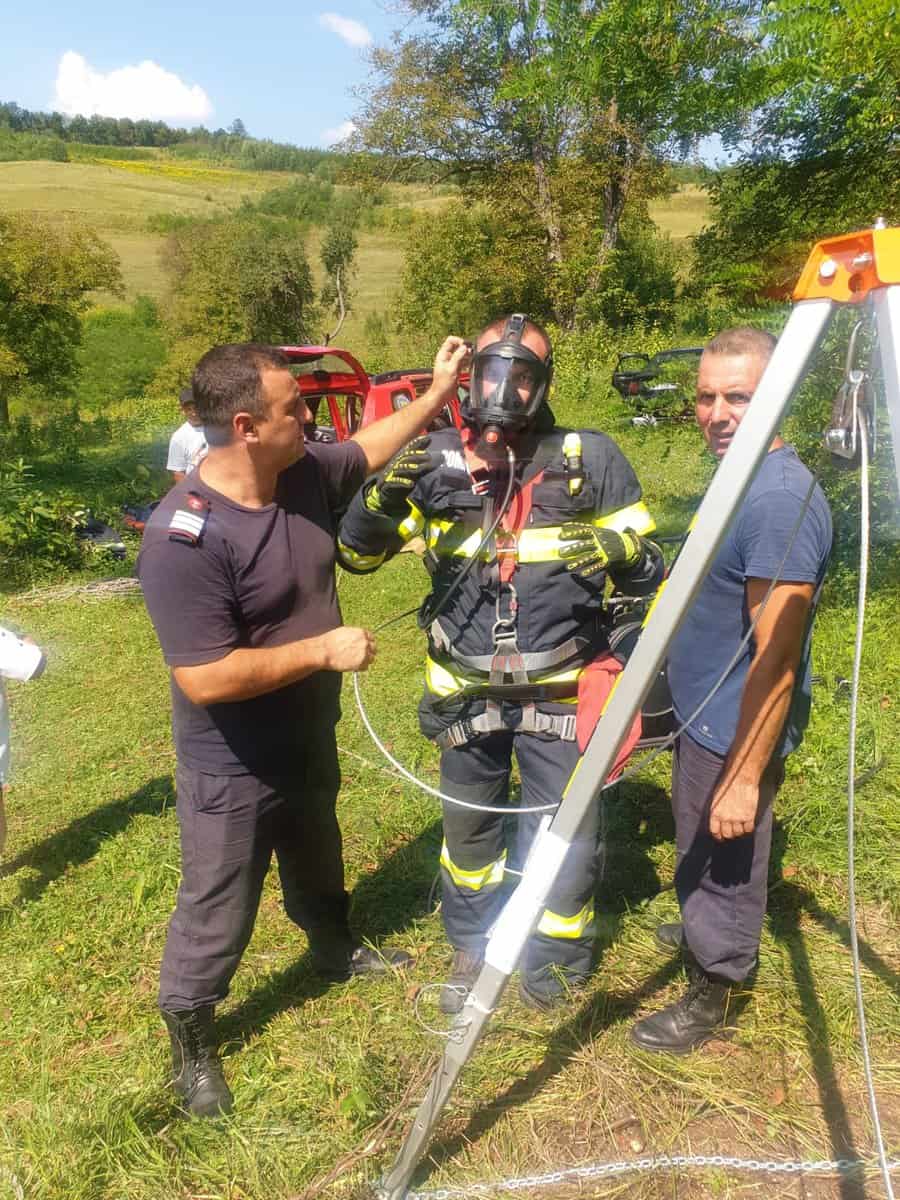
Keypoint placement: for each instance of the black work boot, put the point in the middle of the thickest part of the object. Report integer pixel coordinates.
(196, 1070)
(336, 954)
(548, 987)
(464, 970)
(670, 936)
(698, 1017)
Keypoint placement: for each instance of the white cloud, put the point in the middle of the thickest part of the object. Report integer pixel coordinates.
(354, 33)
(143, 91)
(330, 136)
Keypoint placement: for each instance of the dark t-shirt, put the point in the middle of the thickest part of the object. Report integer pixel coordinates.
(754, 547)
(258, 577)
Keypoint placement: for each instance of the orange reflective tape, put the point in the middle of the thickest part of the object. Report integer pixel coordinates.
(845, 269)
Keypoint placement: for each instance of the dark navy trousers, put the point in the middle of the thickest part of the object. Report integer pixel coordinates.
(230, 827)
(475, 845)
(721, 886)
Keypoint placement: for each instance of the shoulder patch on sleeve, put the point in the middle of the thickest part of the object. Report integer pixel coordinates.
(187, 524)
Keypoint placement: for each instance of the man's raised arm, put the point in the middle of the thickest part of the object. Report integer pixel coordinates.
(382, 439)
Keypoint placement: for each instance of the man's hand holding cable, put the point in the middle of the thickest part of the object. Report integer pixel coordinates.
(390, 495)
(347, 648)
(588, 550)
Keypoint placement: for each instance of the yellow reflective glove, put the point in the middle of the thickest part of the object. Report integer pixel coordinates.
(588, 550)
(390, 495)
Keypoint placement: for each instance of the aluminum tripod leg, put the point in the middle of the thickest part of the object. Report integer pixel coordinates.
(801, 335)
(886, 303)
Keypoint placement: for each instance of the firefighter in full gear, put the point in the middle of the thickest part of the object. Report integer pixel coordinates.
(523, 523)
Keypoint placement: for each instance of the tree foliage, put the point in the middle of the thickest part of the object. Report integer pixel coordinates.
(466, 264)
(825, 155)
(560, 113)
(242, 279)
(47, 272)
(833, 79)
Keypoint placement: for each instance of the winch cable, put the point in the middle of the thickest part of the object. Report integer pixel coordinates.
(864, 535)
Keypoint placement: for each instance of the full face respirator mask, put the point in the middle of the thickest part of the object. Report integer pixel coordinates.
(508, 383)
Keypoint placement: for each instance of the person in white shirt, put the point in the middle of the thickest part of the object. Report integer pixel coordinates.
(20, 658)
(187, 445)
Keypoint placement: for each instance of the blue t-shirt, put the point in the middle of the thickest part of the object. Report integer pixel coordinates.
(753, 547)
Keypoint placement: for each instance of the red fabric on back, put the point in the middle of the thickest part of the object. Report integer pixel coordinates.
(594, 687)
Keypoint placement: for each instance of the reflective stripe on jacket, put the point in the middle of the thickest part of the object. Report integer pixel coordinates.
(553, 606)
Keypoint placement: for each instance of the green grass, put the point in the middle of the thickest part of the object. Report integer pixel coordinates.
(90, 879)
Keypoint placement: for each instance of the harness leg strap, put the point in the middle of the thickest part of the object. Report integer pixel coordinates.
(559, 726)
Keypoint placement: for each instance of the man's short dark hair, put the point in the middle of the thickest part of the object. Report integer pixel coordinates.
(228, 380)
(185, 397)
(497, 326)
(743, 339)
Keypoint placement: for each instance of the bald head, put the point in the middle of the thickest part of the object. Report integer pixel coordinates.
(534, 336)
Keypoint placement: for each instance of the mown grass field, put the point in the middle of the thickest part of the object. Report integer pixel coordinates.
(90, 877)
(116, 201)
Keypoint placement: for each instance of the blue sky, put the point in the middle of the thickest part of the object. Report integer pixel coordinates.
(286, 69)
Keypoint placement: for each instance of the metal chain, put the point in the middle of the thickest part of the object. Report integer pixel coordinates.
(841, 1166)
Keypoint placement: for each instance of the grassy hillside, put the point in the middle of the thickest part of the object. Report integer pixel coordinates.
(682, 214)
(117, 196)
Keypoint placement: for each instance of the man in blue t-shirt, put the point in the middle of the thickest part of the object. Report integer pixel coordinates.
(729, 762)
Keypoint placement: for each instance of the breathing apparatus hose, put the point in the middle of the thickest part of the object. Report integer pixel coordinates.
(427, 614)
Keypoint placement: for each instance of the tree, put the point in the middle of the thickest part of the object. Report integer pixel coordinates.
(47, 273)
(825, 154)
(237, 128)
(337, 253)
(562, 110)
(241, 279)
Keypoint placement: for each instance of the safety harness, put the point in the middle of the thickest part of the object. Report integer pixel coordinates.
(507, 674)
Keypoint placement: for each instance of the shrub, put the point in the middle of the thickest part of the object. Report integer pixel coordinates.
(30, 147)
(121, 351)
(36, 529)
(638, 282)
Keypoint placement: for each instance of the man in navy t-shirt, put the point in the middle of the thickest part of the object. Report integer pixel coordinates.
(237, 569)
(729, 762)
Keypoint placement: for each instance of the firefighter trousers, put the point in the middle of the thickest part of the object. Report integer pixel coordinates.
(474, 852)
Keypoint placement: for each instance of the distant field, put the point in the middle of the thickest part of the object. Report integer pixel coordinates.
(683, 214)
(117, 197)
(116, 201)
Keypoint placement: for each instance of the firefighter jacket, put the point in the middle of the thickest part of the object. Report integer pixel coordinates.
(521, 627)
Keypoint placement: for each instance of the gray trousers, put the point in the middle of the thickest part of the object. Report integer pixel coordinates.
(230, 827)
(721, 886)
